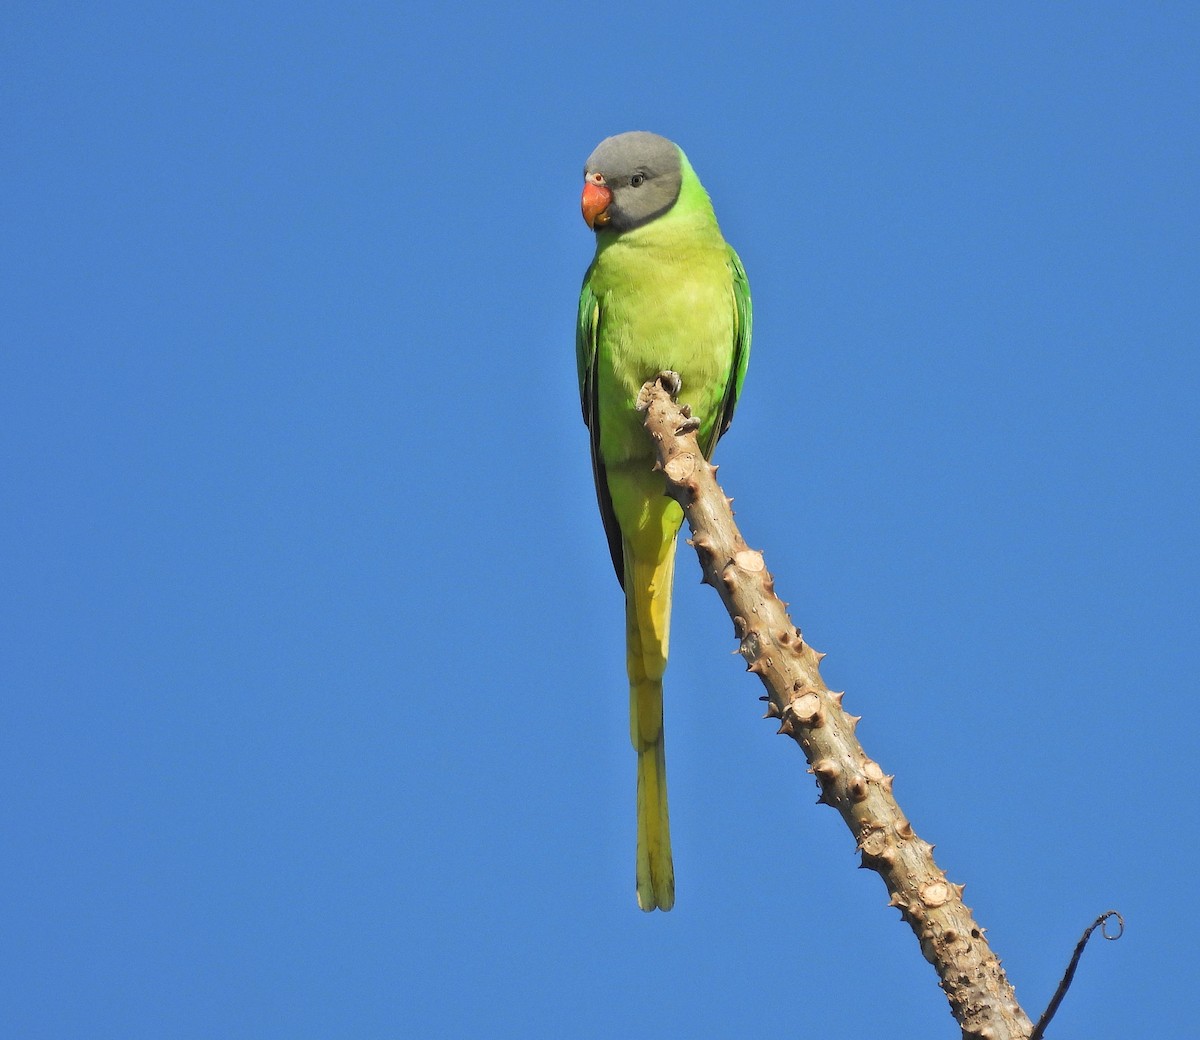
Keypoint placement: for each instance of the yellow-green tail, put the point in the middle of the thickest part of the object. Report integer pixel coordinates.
(647, 630)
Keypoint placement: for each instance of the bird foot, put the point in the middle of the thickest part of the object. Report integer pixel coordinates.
(671, 382)
(690, 423)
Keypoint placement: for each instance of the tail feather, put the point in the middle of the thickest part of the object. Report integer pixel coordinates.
(647, 622)
(655, 871)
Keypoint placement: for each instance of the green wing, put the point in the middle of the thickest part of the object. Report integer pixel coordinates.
(743, 322)
(587, 332)
(587, 328)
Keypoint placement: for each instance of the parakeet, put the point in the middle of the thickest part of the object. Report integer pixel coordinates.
(663, 292)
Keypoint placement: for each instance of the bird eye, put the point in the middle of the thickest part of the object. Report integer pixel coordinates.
(637, 180)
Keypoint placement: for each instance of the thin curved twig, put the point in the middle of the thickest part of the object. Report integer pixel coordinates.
(1069, 975)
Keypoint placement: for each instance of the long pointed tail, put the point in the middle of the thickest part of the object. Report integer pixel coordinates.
(647, 628)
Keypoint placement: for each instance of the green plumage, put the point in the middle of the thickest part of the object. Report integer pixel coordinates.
(667, 294)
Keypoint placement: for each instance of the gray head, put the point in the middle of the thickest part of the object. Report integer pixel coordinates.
(629, 180)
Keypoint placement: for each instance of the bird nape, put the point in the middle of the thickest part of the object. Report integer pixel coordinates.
(663, 292)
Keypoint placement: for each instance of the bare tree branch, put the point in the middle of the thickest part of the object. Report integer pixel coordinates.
(981, 997)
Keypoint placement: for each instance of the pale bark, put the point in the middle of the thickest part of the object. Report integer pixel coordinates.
(981, 998)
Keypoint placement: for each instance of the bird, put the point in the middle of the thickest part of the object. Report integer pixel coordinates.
(664, 293)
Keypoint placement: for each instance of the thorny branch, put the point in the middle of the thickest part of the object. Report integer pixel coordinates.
(981, 998)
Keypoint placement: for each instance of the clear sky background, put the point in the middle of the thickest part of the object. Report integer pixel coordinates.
(314, 712)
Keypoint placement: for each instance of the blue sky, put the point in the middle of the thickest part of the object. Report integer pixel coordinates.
(314, 712)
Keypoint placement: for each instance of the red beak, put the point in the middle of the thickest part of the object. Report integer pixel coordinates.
(596, 198)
